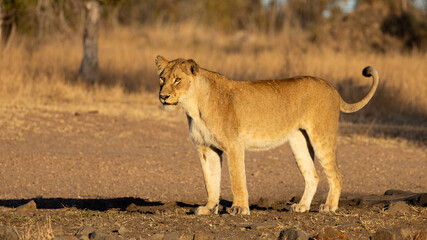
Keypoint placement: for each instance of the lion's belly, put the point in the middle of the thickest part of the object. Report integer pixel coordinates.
(263, 141)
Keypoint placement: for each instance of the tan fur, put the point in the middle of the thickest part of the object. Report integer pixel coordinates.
(226, 116)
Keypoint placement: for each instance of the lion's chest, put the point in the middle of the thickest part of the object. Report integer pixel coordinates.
(200, 133)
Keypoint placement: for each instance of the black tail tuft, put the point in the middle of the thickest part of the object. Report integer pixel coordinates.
(367, 71)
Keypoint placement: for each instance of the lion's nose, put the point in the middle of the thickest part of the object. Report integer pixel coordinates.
(164, 97)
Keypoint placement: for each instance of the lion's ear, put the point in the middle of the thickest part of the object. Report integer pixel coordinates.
(192, 67)
(161, 63)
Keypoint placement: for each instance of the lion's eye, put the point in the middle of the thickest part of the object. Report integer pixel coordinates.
(162, 80)
(177, 80)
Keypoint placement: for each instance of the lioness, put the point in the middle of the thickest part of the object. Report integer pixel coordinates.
(233, 116)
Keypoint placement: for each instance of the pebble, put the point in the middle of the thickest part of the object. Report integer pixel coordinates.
(392, 234)
(28, 207)
(99, 235)
(422, 201)
(398, 207)
(165, 236)
(292, 234)
(83, 232)
(330, 233)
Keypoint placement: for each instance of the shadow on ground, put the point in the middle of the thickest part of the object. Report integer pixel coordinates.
(141, 205)
(89, 204)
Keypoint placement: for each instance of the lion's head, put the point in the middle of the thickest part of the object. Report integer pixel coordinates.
(176, 77)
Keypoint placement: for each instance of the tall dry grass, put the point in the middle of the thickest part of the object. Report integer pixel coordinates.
(46, 73)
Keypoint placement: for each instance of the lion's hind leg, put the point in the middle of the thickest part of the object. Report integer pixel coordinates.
(325, 148)
(301, 147)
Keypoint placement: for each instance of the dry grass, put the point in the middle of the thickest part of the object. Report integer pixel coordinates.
(45, 74)
(37, 230)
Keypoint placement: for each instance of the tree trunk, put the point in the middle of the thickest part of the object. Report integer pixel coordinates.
(89, 67)
(44, 15)
(7, 21)
(272, 18)
(62, 21)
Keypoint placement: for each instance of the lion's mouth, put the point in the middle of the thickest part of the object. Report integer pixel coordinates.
(164, 102)
(167, 103)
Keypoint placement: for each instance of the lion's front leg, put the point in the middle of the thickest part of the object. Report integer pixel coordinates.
(210, 160)
(236, 166)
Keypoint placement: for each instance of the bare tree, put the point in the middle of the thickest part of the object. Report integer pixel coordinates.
(89, 66)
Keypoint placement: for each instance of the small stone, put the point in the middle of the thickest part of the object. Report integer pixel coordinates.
(83, 232)
(122, 230)
(204, 236)
(394, 192)
(28, 207)
(171, 236)
(330, 234)
(157, 236)
(293, 234)
(398, 207)
(260, 226)
(423, 200)
(392, 233)
(8, 233)
(132, 208)
(98, 235)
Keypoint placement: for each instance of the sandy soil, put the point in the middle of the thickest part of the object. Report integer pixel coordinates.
(85, 168)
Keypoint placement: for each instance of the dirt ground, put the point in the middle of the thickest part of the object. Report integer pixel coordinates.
(84, 168)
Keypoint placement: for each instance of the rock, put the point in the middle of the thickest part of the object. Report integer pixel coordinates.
(398, 207)
(122, 230)
(29, 207)
(422, 201)
(165, 236)
(394, 192)
(83, 232)
(329, 233)
(204, 236)
(157, 236)
(132, 208)
(65, 237)
(392, 234)
(260, 226)
(293, 234)
(171, 236)
(8, 233)
(98, 235)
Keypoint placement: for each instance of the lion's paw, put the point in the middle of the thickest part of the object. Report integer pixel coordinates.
(236, 210)
(203, 210)
(300, 208)
(326, 208)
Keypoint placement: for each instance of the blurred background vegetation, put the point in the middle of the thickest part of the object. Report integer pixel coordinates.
(242, 39)
(403, 23)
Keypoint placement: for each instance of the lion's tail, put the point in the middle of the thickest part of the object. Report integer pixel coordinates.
(367, 72)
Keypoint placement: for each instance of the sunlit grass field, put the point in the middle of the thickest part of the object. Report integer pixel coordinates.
(46, 73)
